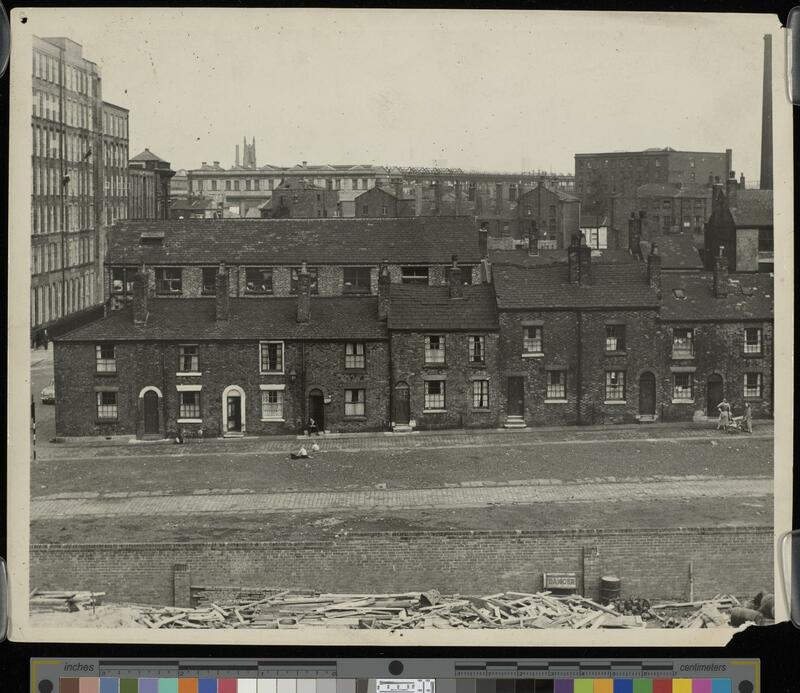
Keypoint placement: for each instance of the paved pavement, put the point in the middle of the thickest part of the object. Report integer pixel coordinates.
(542, 491)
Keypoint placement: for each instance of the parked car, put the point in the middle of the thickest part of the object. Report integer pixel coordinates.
(49, 393)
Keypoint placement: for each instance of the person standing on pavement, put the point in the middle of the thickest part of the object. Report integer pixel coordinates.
(45, 338)
(747, 419)
(724, 408)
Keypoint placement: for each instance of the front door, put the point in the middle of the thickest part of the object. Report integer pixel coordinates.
(316, 409)
(647, 394)
(516, 396)
(715, 391)
(150, 404)
(234, 413)
(402, 404)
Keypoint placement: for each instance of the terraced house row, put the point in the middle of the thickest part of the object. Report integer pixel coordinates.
(251, 327)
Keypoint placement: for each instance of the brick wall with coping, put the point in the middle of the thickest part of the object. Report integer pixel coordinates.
(653, 563)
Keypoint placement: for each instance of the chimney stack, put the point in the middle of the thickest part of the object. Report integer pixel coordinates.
(140, 291)
(654, 269)
(456, 284)
(721, 274)
(237, 155)
(303, 294)
(483, 240)
(223, 299)
(533, 239)
(742, 182)
(579, 259)
(766, 118)
(384, 285)
(731, 186)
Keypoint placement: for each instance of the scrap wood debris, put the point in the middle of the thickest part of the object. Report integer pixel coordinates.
(61, 600)
(280, 609)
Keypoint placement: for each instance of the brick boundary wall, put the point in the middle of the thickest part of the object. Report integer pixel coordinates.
(653, 563)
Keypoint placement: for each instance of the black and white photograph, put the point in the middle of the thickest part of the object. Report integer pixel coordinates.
(398, 326)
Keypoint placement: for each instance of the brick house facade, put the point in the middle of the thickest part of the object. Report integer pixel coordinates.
(378, 202)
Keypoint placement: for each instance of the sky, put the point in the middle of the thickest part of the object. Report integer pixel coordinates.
(471, 89)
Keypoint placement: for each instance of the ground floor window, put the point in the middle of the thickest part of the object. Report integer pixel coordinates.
(434, 394)
(480, 394)
(354, 402)
(683, 387)
(615, 385)
(107, 405)
(272, 404)
(189, 405)
(557, 385)
(752, 385)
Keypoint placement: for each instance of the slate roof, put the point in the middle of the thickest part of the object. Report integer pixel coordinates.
(256, 318)
(419, 307)
(612, 286)
(332, 241)
(146, 155)
(750, 297)
(677, 251)
(521, 258)
(752, 208)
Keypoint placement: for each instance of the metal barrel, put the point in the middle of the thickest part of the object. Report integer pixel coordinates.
(610, 589)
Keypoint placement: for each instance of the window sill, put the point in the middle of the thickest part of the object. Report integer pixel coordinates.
(441, 364)
(682, 401)
(257, 294)
(616, 353)
(105, 374)
(682, 357)
(169, 293)
(189, 373)
(477, 364)
(615, 401)
(271, 373)
(434, 411)
(556, 401)
(361, 369)
(190, 421)
(482, 410)
(271, 420)
(114, 420)
(533, 355)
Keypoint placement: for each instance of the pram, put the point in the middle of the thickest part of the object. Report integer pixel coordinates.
(737, 424)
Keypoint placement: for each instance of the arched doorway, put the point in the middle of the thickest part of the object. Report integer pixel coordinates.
(647, 394)
(233, 411)
(715, 392)
(402, 404)
(316, 408)
(150, 399)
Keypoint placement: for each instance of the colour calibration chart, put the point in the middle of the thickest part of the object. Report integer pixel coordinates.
(394, 676)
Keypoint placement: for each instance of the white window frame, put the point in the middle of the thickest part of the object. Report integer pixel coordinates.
(98, 404)
(759, 345)
(478, 340)
(551, 396)
(353, 360)
(750, 393)
(431, 354)
(261, 346)
(620, 376)
(426, 384)
(279, 390)
(481, 395)
(189, 419)
(355, 408)
(191, 371)
(529, 342)
(681, 352)
(679, 395)
(105, 365)
(616, 338)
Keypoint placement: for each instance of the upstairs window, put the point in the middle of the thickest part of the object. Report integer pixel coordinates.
(354, 355)
(258, 280)
(168, 280)
(615, 386)
(615, 337)
(105, 358)
(357, 280)
(477, 349)
(271, 357)
(434, 349)
(188, 358)
(209, 287)
(682, 343)
(295, 272)
(752, 340)
(414, 275)
(532, 339)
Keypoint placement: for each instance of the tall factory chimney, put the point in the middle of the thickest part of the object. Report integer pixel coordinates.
(766, 118)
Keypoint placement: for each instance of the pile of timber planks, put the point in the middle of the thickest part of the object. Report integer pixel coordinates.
(706, 613)
(395, 611)
(63, 600)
